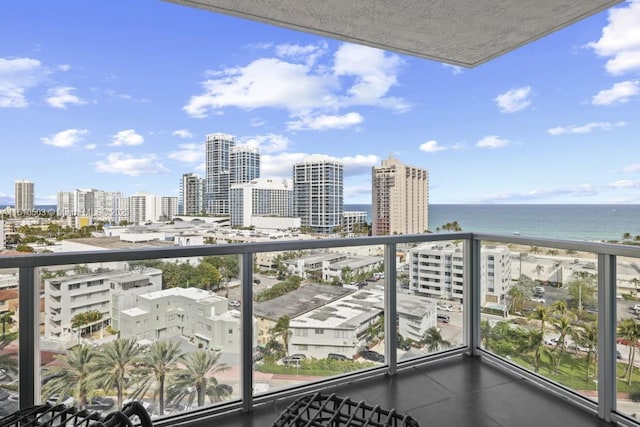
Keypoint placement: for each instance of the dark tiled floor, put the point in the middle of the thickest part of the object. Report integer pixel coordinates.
(457, 392)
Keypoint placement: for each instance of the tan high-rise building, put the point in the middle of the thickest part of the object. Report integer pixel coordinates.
(24, 196)
(400, 196)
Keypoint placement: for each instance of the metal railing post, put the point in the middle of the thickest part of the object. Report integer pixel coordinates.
(246, 347)
(471, 305)
(606, 335)
(29, 340)
(390, 308)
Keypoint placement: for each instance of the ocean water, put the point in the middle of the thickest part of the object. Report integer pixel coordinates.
(576, 222)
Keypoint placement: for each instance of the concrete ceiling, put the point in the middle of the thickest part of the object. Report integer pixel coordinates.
(459, 32)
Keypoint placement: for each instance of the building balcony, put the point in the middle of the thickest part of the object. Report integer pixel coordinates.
(491, 364)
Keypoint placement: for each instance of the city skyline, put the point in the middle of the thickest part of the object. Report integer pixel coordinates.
(555, 121)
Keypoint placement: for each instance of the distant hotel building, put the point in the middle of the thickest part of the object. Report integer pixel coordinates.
(262, 197)
(244, 164)
(143, 207)
(318, 195)
(400, 199)
(225, 165)
(437, 271)
(24, 196)
(191, 195)
(92, 203)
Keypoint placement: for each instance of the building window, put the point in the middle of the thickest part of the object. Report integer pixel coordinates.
(230, 331)
(319, 331)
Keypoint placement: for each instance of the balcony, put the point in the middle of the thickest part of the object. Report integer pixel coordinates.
(479, 376)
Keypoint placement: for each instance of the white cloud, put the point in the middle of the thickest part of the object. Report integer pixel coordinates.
(618, 94)
(563, 130)
(127, 137)
(183, 133)
(64, 67)
(620, 40)
(90, 146)
(514, 100)
(66, 138)
(16, 76)
(120, 163)
(492, 141)
(308, 54)
(60, 97)
(375, 73)
(359, 76)
(432, 147)
(625, 183)
(256, 122)
(189, 153)
(455, 69)
(269, 143)
(632, 168)
(282, 164)
(325, 122)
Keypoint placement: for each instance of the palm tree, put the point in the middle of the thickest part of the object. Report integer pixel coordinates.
(161, 359)
(589, 336)
(570, 252)
(629, 329)
(75, 377)
(533, 342)
(541, 313)
(534, 249)
(196, 379)
(626, 236)
(485, 332)
(114, 365)
(8, 360)
(539, 270)
(563, 325)
(281, 329)
(434, 340)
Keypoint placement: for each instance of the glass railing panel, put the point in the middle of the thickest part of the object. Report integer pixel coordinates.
(539, 310)
(9, 366)
(318, 313)
(158, 331)
(430, 298)
(628, 333)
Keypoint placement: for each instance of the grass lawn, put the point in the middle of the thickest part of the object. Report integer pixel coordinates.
(573, 369)
(316, 367)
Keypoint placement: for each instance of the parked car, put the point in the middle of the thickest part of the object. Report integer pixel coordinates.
(100, 403)
(618, 355)
(445, 307)
(56, 399)
(337, 356)
(373, 356)
(256, 281)
(234, 303)
(294, 359)
(443, 318)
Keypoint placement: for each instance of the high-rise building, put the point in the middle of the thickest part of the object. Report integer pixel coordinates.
(2, 236)
(92, 203)
(191, 195)
(318, 194)
(218, 174)
(260, 197)
(245, 164)
(400, 198)
(24, 196)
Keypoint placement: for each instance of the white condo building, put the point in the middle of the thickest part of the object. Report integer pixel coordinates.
(400, 198)
(318, 194)
(109, 293)
(437, 271)
(259, 198)
(143, 208)
(190, 312)
(352, 221)
(218, 172)
(24, 196)
(92, 203)
(191, 195)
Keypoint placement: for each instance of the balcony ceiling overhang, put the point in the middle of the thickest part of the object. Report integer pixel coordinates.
(459, 32)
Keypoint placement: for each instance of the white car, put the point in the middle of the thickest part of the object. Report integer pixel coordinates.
(540, 300)
(445, 308)
(234, 303)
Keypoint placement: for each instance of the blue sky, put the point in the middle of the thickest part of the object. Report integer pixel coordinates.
(119, 96)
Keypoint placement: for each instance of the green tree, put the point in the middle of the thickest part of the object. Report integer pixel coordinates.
(75, 377)
(588, 337)
(115, 363)
(539, 270)
(434, 340)
(562, 325)
(197, 379)
(541, 314)
(582, 289)
(8, 360)
(486, 332)
(626, 236)
(533, 342)
(281, 330)
(85, 318)
(161, 359)
(629, 329)
(208, 275)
